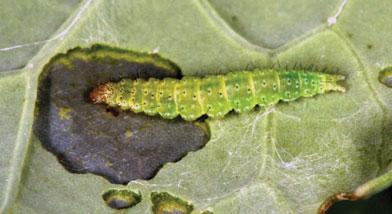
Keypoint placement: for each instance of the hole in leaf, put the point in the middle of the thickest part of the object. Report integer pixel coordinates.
(381, 203)
(89, 138)
(385, 76)
(121, 199)
(164, 202)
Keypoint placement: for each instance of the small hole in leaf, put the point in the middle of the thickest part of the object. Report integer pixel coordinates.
(164, 202)
(385, 76)
(121, 199)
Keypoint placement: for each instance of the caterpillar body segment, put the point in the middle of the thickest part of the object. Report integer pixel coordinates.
(214, 95)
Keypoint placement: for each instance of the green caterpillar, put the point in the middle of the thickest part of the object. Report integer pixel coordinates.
(214, 95)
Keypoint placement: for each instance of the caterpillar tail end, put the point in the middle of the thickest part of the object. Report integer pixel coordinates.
(99, 94)
(332, 83)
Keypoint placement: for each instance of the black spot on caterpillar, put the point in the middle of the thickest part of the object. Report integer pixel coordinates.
(214, 95)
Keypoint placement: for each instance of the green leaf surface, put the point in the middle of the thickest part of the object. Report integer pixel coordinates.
(27, 25)
(289, 158)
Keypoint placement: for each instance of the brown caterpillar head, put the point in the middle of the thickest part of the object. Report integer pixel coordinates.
(100, 94)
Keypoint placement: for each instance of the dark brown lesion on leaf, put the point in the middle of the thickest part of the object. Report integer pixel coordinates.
(85, 136)
(121, 198)
(164, 203)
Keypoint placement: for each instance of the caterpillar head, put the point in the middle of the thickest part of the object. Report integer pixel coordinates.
(101, 93)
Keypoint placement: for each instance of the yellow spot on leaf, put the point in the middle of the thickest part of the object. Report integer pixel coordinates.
(64, 113)
(128, 133)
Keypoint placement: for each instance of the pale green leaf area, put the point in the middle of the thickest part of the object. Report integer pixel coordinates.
(26, 26)
(12, 102)
(288, 158)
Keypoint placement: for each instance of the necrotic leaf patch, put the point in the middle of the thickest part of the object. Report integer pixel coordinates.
(88, 138)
